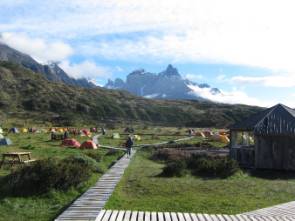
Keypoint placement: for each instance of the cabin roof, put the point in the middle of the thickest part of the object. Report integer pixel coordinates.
(278, 119)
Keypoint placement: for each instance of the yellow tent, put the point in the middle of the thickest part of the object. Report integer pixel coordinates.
(60, 130)
(224, 139)
(137, 137)
(24, 130)
(116, 136)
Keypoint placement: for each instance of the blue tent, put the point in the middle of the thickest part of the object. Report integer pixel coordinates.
(5, 141)
(14, 130)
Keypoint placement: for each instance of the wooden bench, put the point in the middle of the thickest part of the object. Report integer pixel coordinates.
(13, 158)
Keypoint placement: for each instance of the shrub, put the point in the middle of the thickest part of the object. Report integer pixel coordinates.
(112, 152)
(41, 176)
(174, 168)
(94, 155)
(212, 166)
(169, 155)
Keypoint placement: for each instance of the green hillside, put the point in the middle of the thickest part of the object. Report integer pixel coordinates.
(26, 96)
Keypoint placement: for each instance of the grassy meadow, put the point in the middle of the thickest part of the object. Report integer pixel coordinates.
(142, 188)
(48, 206)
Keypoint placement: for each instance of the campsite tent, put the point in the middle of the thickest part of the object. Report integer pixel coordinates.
(220, 138)
(71, 143)
(1, 130)
(89, 144)
(208, 133)
(1, 136)
(93, 129)
(86, 132)
(14, 130)
(137, 137)
(24, 130)
(116, 136)
(5, 141)
(224, 139)
(200, 134)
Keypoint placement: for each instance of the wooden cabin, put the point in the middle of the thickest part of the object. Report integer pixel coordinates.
(266, 140)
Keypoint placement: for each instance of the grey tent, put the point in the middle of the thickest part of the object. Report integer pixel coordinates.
(5, 141)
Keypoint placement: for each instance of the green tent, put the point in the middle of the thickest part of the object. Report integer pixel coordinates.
(116, 136)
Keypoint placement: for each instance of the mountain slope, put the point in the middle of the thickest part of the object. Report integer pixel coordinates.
(168, 84)
(27, 95)
(52, 72)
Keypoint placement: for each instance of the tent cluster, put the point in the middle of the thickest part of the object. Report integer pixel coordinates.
(73, 131)
(220, 136)
(89, 144)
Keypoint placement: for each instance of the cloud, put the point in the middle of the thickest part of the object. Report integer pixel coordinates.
(232, 97)
(194, 77)
(85, 69)
(229, 31)
(41, 50)
(282, 80)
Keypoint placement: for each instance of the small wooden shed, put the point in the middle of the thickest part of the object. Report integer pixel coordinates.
(266, 140)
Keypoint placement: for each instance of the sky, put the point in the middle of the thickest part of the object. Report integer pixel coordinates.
(244, 48)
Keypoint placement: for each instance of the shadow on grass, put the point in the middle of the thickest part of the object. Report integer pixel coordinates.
(271, 174)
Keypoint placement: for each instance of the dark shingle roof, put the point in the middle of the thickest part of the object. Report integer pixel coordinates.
(278, 119)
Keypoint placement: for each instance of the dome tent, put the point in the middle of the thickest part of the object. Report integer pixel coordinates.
(5, 141)
(89, 144)
(116, 136)
(24, 130)
(71, 143)
(14, 130)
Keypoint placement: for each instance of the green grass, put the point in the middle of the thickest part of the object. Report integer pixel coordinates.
(47, 206)
(142, 189)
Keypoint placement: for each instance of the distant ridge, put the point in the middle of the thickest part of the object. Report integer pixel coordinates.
(27, 96)
(168, 84)
(52, 71)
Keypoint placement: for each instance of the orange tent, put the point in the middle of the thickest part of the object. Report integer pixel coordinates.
(89, 144)
(71, 143)
(86, 132)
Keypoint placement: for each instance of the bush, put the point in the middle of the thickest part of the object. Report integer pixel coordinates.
(94, 155)
(169, 155)
(112, 152)
(44, 175)
(212, 166)
(174, 168)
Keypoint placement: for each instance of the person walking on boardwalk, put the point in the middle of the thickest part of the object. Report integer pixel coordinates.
(129, 144)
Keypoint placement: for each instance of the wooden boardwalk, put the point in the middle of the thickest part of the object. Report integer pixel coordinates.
(285, 209)
(115, 215)
(88, 206)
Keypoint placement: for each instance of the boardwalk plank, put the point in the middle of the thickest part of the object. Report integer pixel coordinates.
(88, 206)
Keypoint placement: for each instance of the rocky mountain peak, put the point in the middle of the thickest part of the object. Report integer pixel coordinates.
(170, 71)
